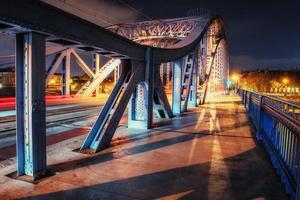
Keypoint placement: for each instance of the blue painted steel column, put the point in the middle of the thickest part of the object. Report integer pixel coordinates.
(30, 100)
(66, 74)
(192, 103)
(177, 85)
(140, 112)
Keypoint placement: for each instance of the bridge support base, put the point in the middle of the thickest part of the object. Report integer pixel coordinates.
(30, 100)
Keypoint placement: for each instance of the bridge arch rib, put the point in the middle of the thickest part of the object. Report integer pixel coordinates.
(187, 42)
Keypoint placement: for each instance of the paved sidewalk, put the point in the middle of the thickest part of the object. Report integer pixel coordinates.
(207, 153)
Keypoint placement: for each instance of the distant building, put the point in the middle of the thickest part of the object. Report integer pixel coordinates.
(7, 78)
(272, 81)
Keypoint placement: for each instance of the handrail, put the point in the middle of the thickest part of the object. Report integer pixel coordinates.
(276, 99)
(277, 126)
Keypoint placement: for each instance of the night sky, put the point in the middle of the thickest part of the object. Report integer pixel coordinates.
(261, 34)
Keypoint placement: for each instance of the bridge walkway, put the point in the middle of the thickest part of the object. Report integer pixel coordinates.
(208, 153)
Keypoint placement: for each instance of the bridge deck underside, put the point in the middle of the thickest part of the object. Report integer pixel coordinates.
(207, 154)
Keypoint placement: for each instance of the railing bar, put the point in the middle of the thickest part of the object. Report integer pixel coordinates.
(293, 153)
(288, 147)
(291, 150)
(285, 134)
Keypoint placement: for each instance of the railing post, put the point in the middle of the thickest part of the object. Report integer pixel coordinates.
(259, 118)
(297, 195)
(245, 96)
(30, 104)
(248, 101)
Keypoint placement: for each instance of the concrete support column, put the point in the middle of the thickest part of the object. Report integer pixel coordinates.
(176, 88)
(140, 113)
(66, 74)
(30, 104)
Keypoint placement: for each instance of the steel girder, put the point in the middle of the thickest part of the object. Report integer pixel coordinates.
(9, 61)
(19, 17)
(66, 74)
(64, 28)
(31, 109)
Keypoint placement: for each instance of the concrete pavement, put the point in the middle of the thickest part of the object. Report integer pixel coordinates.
(210, 153)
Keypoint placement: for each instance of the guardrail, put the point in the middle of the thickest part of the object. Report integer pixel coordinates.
(277, 126)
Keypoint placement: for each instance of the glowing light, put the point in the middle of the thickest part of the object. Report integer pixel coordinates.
(52, 81)
(285, 80)
(235, 77)
(1, 85)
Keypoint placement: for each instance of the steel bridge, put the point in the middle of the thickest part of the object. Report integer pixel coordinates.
(187, 56)
(196, 46)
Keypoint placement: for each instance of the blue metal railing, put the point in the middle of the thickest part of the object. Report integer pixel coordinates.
(277, 126)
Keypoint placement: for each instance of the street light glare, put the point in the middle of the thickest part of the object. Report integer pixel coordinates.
(285, 80)
(235, 77)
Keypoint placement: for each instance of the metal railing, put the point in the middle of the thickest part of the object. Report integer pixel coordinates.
(277, 126)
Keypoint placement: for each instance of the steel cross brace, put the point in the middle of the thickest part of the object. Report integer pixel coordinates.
(112, 112)
(202, 101)
(184, 75)
(160, 99)
(66, 74)
(133, 73)
(193, 92)
(140, 114)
